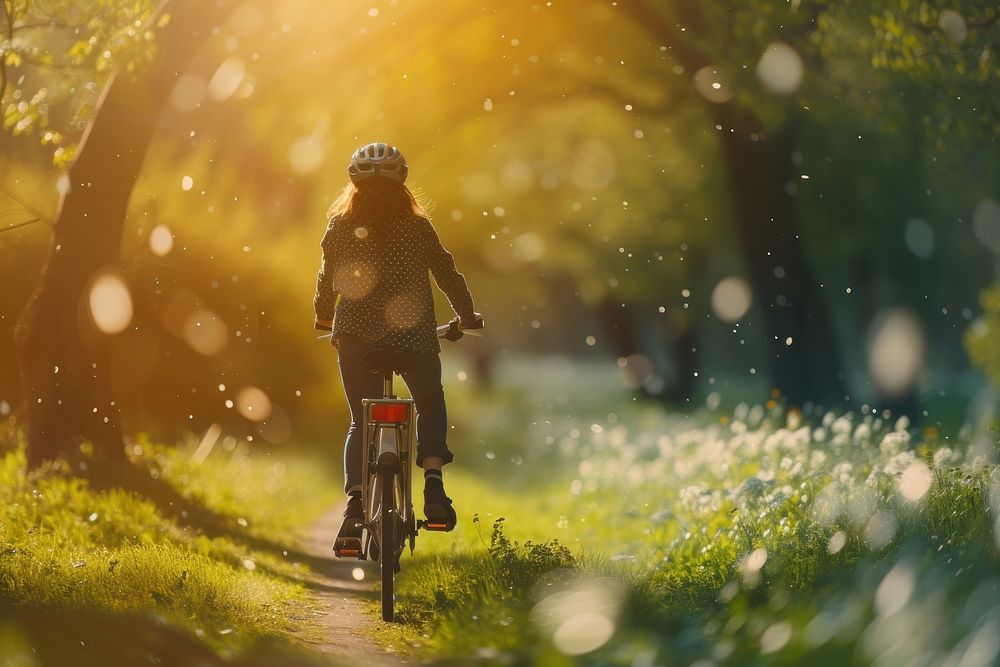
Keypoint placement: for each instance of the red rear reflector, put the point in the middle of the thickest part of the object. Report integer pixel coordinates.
(389, 412)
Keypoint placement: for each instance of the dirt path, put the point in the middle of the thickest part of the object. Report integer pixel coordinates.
(344, 624)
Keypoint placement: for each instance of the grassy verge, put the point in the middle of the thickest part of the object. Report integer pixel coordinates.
(70, 551)
(752, 537)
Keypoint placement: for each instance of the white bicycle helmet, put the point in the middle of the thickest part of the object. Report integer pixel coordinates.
(377, 159)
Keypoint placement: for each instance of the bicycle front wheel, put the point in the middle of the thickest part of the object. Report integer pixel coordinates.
(387, 555)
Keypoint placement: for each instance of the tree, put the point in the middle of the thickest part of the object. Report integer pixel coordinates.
(761, 73)
(62, 349)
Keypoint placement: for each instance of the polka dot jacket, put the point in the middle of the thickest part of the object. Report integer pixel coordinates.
(380, 272)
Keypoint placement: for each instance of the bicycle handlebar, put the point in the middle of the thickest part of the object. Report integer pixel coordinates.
(452, 331)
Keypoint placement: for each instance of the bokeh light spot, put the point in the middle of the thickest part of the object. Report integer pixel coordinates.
(583, 633)
(110, 303)
(63, 184)
(354, 280)
(277, 428)
(755, 561)
(895, 351)
(775, 637)
(780, 69)
(711, 85)
(880, 530)
(919, 237)
(915, 481)
(161, 241)
(253, 403)
(731, 298)
(895, 590)
(582, 618)
(953, 26)
(227, 79)
(305, 155)
(529, 247)
(986, 223)
(205, 332)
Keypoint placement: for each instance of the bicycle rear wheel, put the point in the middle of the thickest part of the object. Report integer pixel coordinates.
(387, 555)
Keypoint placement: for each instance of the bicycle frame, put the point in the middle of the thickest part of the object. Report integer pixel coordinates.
(388, 447)
(387, 452)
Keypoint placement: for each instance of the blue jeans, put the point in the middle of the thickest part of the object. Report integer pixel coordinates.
(424, 382)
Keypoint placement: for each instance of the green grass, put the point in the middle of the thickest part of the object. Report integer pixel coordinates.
(67, 548)
(593, 530)
(754, 537)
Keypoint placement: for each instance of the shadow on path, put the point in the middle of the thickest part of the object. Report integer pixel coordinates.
(342, 590)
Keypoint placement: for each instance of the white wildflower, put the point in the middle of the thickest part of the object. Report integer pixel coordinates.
(894, 442)
(945, 457)
(842, 424)
(817, 460)
(690, 496)
(898, 464)
(843, 472)
(829, 503)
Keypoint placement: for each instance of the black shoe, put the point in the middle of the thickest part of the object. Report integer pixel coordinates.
(348, 542)
(437, 508)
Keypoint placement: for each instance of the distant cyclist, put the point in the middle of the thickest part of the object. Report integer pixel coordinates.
(377, 251)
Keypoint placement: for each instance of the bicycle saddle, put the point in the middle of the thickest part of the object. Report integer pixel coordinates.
(379, 362)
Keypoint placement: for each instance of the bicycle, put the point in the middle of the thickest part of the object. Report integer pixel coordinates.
(387, 452)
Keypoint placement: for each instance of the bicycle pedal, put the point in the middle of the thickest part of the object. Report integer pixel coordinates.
(347, 547)
(435, 526)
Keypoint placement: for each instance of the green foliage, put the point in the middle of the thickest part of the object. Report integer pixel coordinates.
(521, 565)
(982, 339)
(437, 591)
(54, 58)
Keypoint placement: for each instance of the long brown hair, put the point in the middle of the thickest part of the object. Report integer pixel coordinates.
(375, 200)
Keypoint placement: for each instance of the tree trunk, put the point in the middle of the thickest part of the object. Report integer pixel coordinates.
(623, 331)
(799, 342)
(759, 169)
(63, 357)
(684, 355)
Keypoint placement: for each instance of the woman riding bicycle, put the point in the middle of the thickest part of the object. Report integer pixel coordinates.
(377, 251)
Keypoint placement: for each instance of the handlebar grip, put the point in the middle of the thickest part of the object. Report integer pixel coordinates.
(453, 333)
